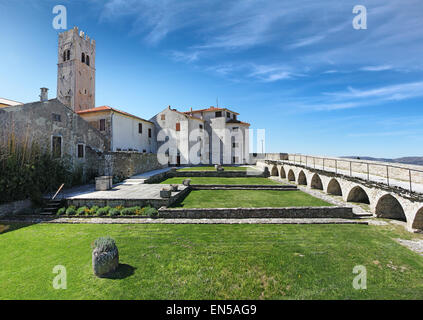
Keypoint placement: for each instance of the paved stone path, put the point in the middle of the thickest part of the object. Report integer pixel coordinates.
(182, 221)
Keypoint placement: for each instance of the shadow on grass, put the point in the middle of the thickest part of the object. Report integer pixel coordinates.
(123, 271)
(6, 227)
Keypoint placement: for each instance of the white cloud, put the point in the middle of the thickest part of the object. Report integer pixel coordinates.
(376, 68)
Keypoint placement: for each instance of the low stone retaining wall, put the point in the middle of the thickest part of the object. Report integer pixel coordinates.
(217, 174)
(243, 213)
(242, 187)
(14, 207)
(155, 203)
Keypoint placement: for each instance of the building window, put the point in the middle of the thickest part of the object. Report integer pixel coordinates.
(57, 117)
(234, 117)
(139, 127)
(149, 132)
(144, 151)
(81, 151)
(87, 60)
(178, 126)
(233, 144)
(228, 115)
(83, 58)
(201, 127)
(163, 117)
(218, 114)
(102, 124)
(56, 146)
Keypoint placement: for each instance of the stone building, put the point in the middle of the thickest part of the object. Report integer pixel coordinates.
(123, 131)
(76, 70)
(206, 136)
(56, 127)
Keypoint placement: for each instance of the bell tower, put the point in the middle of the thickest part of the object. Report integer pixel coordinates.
(76, 70)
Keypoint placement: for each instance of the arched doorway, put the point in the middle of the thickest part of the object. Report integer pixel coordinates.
(291, 175)
(357, 194)
(390, 208)
(302, 180)
(316, 182)
(334, 188)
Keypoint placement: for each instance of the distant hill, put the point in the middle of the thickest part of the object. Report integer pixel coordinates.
(405, 160)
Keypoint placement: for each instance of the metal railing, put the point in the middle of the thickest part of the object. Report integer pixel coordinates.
(310, 161)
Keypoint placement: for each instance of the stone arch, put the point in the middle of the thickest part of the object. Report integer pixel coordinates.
(282, 173)
(418, 220)
(389, 207)
(291, 175)
(334, 187)
(302, 180)
(316, 182)
(357, 194)
(274, 172)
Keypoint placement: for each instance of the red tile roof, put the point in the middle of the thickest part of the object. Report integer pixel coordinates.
(107, 108)
(210, 109)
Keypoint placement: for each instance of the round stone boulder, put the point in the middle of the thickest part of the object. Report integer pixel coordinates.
(105, 256)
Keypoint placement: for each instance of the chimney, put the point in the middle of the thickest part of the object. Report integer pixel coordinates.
(44, 94)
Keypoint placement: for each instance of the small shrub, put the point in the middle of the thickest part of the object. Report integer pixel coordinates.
(61, 211)
(71, 211)
(128, 211)
(81, 211)
(151, 212)
(114, 212)
(102, 212)
(105, 244)
(139, 211)
(93, 210)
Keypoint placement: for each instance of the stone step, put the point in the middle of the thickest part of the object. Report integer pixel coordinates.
(47, 213)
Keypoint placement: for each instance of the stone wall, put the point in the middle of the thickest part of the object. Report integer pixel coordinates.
(126, 164)
(221, 174)
(256, 213)
(14, 207)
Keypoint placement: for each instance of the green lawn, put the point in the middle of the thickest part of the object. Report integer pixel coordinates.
(212, 180)
(211, 262)
(249, 199)
(207, 168)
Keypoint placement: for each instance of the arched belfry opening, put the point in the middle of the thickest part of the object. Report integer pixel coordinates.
(357, 194)
(302, 180)
(334, 188)
(316, 182)
(389, 207)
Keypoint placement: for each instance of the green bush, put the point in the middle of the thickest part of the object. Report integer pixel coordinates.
(61, 211)
(71, 211)
(128, 211)
(93, 210)
(82, 211)
(105, 244)
(114, 212)
(102, 212)
(151, 212)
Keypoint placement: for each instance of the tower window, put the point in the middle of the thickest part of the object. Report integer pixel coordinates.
(87, 60)
(163, 117)
(102, 124)
(149, 132)
(139, 127)
(57, 117)
(178, 126)
(83, 58)
(68, 55)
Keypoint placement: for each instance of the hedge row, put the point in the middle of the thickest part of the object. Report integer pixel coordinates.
(107, 211)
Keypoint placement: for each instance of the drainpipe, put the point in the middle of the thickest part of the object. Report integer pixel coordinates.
(111, 132)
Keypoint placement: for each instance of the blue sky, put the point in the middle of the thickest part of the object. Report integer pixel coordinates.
(295, 68)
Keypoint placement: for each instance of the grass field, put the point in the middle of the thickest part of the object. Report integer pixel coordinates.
(211, 262)
(249, 199)
(207, 168)
(212, 180)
